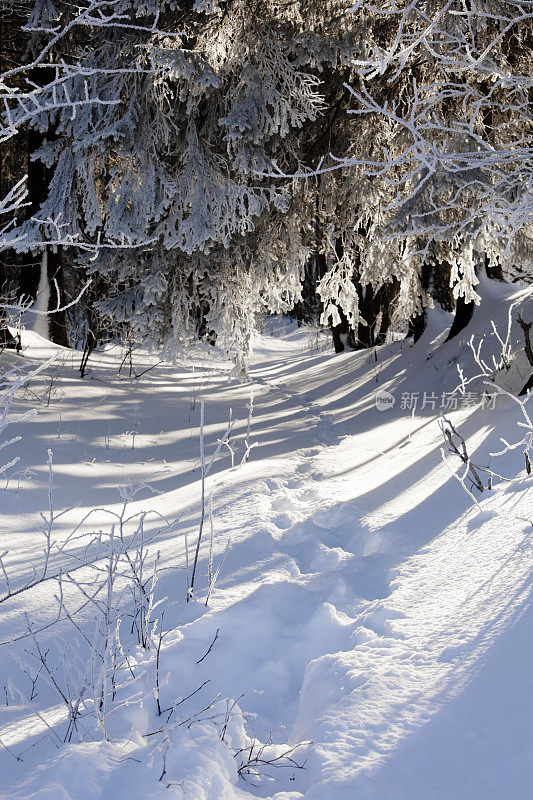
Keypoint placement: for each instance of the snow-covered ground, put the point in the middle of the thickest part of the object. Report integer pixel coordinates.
(366, 612)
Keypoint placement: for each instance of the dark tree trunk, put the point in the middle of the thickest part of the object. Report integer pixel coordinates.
(375, 306)
(365, 330)
(436, 277)
(463, 315)
(11, 44)
(528, 349)
(527, 388)
(417, 325)
(38, 181)
(6, 337)
(37, 184)
(202, 327)
(343, 335)
(310, 306)
(387, 297)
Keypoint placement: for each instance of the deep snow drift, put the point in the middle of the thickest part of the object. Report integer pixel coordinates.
(365, 609)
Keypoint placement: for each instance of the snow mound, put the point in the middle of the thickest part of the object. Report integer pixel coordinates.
(369, 628)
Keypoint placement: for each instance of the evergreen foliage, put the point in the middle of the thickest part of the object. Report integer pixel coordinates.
(184, 151)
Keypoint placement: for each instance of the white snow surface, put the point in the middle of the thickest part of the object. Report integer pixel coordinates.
(364, 607)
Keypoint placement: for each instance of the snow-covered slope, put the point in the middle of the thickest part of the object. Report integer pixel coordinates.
(365, 609)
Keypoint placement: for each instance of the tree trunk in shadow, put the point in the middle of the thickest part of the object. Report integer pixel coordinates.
(376, 307)
(417, 325)
(343, 335)
(463, 316)
(30, 275)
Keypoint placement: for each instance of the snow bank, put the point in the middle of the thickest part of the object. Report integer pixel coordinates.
(366, 613)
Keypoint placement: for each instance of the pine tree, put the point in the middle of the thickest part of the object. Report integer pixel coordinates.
(448, 84)
(175, 143)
